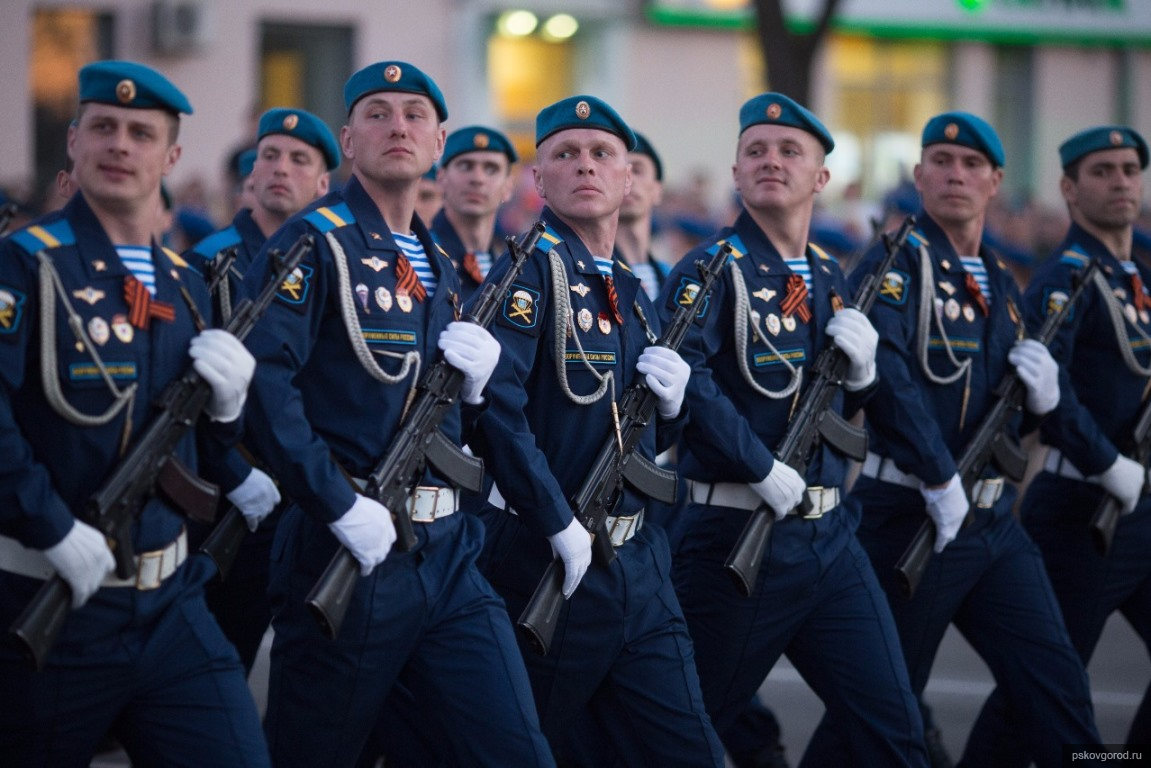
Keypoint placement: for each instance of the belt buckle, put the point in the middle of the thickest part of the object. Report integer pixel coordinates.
(628, 523)
(815, 496)
(989, 491)
(416, 514)
(150, 570)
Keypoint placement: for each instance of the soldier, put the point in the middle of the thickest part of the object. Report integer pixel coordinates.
(815, 596)
(574, 334)
(1108, 330)
(339, 352)
(97, 321)
(636, 217)
(949, 325)
(475, 178)
(293, 160)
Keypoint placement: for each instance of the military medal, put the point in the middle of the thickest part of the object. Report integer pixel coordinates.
(362, 295)
(122, 328)
(969, 313)
(585, 319)
(951, 309)
(1130, 314)
(788, 323)
(772, 324)
(98, 330)
(604, 323)
(403, 300)
(384, 298)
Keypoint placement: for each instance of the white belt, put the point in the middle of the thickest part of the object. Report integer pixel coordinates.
(620, 529)
(983, 495)
(741, 496)
(1058, 464)
(427, 503)
(152, 568)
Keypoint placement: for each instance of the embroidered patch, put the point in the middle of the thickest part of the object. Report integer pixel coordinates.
(11, 309)
(521, 309)
(894, 287)
(1053, 301)
(687, 295)
(91, 371)
(767, 359)
(296, 286)
(389, 336)
(958, 344)
(603, 359)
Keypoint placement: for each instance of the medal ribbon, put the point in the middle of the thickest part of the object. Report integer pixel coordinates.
(407, 279)
(795, 302)
(142, 308)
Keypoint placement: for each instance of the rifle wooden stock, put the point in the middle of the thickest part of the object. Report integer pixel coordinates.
(988, 445)
(812, 422)
(417, 443)
(614, 465)
(112, 508)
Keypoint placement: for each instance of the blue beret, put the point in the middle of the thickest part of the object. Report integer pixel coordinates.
(1100, 138)
(128, 84)
(304, 126)
(245, 162)
(966, 130)
(393, 76)
(777, 109)
(582, 112)
(476, 138)
(644, 147)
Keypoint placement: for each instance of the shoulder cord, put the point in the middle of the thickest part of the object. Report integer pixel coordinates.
(356, 333)
(744, 317)
(562, 319)
(50, 283)
(1119, 323)
(927, 310)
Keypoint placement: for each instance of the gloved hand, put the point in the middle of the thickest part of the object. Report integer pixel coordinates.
(572, 545)
(666, 374)
(82, 559)
(475, 352)
(227, 365)
(367, 531)
(1039, 373)
(857, 337)
(782, 489)
(947, 507)
(1124, 480)
(256, 497)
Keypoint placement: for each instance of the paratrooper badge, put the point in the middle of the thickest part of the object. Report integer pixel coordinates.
(893, 289)
(521, 309)
(11, 310)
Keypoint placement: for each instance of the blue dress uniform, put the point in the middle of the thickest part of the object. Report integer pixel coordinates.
(139, 657)
(939, 366)
(462, 260)
(621, 648)
(816, 598)
(1093, 421)
(317, 411)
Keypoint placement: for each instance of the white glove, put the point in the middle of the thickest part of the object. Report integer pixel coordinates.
(572, 545)
(857, 337)
(227, 365)
(367, 531)
(667, 376)
(947, 507)
(256, 497)
(1124, 480)
(782, 489)
(1039, 372)
(475, 352)
(82, 559)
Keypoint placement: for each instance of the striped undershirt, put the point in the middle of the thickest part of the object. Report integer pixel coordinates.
(604, 266)
(802, 268)
(414, 250)
(484, 262)
(138, 260)
(974, 265)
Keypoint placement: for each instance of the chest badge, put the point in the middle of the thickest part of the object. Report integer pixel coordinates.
(88, 295)
(765, 293)
(375, 263)
(772, 324)
(581, 289)
(384, 298)
(584, 318)
(98, 330)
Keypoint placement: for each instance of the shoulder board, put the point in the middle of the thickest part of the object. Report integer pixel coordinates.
(623, 265)
(822, 254)
(216, 242)
(41, 236)
(918, 238)
(737, 248)
(1074, 256)
(174, 257)
(328, 218)
(548, 240)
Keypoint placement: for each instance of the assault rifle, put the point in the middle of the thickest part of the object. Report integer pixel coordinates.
(990, 443)
(616, 463)
(814, 420)
(1106, 516)
(148, 466)
(417, 443)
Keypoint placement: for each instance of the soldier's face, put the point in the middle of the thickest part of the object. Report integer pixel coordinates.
(646, 190)
(392, 137)
(779, 169)
(120, 155)
(583, 174)
(956, 183)
(288, 174)
(1109, 191)
(474, 184)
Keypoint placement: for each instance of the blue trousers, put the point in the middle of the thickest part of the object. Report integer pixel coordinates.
(827, 613)
(429, 613)
(1056, 512)
(152, 667)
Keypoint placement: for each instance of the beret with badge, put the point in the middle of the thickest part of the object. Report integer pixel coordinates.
(303, 126)
(132, 85)
(476, 138)
(777, 109)
(393, 76)
(582, 112)
(1100, 138)
(966, 130)
(644, 147)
